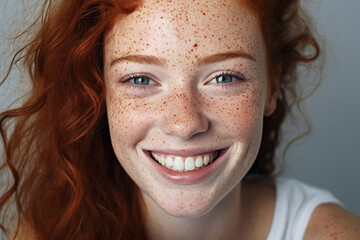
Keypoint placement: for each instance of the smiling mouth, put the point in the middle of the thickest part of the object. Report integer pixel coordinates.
(185, 164)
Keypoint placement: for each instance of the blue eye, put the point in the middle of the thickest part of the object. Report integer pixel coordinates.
(141, 80)
(224, 79)
(227, 80)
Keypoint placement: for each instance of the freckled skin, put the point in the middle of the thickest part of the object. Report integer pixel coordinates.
(183, 108)
(331, 221)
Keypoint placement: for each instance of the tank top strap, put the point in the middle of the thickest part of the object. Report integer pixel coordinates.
(295, 202)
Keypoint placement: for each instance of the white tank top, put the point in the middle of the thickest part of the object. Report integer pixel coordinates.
(295, 202)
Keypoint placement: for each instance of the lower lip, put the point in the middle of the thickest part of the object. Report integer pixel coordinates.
(191, 177)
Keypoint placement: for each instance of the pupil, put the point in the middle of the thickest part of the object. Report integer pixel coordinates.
(224, 79)
(141, 80)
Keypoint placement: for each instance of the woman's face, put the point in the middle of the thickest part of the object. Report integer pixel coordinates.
(186, 91)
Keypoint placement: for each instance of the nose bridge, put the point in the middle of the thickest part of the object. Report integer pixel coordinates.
(184, 115)
(184, 106)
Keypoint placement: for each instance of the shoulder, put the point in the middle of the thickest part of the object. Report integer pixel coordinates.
(331, 221)
(327, 219)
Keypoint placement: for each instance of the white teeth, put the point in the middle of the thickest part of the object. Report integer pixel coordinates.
(180, 164)
(162, 160)
(169, 162)
(199, 161)
(206, 160)
(189, 164)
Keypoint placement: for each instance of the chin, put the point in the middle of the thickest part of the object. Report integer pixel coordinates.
(193, 202)
(192, 209)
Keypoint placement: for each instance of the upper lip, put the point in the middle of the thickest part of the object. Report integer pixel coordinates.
(185, 152)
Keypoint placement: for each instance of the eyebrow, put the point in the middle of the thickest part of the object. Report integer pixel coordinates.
(219, 57)
(152, 60)
(143, 59)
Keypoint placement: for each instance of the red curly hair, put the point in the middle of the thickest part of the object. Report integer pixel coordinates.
(67, 182)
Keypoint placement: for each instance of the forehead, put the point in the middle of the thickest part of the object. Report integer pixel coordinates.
(193, 26)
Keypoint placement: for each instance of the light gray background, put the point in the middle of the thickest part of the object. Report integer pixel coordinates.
(329, 156)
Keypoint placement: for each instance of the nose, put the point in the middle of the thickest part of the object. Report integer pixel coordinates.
(184, 117)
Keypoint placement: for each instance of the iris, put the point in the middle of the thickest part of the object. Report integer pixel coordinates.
(224, 79)
(141, 80)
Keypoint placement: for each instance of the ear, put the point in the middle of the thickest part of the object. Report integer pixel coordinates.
(273, 94)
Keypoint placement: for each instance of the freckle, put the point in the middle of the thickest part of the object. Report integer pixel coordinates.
(195, 45)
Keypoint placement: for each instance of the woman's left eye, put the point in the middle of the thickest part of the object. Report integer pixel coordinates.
(141, 80)
(224, 79)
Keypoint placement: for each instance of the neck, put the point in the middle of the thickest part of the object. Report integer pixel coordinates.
(222, 222)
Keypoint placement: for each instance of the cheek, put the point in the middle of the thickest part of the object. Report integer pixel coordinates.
(240, 115)
(119, 127)
(129, 118)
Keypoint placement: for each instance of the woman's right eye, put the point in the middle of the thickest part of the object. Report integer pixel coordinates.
(139, 82)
